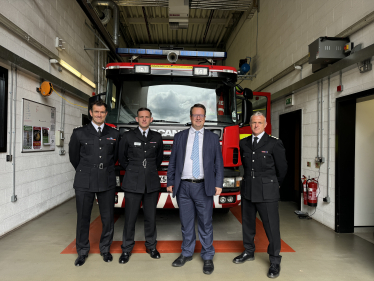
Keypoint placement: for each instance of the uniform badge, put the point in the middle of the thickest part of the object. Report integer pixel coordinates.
(111, 138)
(137, 143)
(265, 151)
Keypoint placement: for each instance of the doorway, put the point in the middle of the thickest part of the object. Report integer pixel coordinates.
(290, 134)
(350, 160)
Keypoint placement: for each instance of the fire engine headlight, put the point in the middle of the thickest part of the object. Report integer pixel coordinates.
(230, 199)
(146, 69)
(222, 200)
(228, 182)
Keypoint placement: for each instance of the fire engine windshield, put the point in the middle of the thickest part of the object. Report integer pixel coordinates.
(169, 101)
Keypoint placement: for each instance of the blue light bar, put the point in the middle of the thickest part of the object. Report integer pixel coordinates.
(163, 53)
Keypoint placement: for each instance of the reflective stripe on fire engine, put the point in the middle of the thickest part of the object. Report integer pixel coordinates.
(242, 136)
(167, 197)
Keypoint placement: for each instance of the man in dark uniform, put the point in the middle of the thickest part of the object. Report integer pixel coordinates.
(140, 154)
(93, 151)
(265, 166)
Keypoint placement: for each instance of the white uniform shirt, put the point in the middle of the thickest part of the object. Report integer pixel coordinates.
(259, 137)
(97, 127)
(146, 131)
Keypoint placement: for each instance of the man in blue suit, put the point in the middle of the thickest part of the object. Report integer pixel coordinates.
(195, 175)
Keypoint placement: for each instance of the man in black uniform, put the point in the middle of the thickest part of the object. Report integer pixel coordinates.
(265, 166)
(93, 151)
(140, 154)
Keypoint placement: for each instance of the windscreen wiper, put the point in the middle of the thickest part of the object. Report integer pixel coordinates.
(212, 121)
(165, 121)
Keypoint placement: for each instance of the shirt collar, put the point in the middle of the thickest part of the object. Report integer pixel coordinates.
(97, 127)
(192, 130)
(259, 136)
(141, 131)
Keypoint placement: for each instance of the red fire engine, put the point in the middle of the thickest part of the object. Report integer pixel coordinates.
(169, 90)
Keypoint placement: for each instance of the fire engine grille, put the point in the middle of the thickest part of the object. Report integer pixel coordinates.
(168, 146)
(166, 158)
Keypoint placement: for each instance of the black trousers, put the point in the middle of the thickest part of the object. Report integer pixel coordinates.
(84, 202)
(270, 218)
(132, 206)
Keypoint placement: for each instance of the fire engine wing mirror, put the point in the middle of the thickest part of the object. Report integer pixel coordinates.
(248, 94)
(246, 111)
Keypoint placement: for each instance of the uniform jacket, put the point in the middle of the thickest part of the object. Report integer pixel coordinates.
(264, 168)
(141, 157)
(94, 157)
(212, 162)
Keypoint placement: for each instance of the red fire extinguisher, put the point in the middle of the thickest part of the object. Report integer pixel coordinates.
(305, 191)
(312, 192)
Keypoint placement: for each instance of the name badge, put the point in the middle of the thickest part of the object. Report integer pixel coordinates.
(137, 144)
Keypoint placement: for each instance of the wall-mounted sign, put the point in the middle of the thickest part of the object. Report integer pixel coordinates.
(38, 124)
(289, 100)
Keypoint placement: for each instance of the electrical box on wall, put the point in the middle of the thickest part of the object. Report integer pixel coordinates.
(60, 138)
(327, 50)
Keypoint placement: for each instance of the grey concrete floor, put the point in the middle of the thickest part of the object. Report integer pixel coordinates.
(32, 252)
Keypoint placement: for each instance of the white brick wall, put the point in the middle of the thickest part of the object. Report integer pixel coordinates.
(286, 28)
(43, 179)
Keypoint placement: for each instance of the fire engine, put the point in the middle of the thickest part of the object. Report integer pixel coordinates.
(169, 90)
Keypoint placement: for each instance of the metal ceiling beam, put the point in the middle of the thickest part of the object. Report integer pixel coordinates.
(146, 24)
(352, 59)
(166, 21)
(208, 25)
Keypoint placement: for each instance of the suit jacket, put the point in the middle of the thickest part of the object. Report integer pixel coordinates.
(212, 162)
(265, 168)
(94, 157)
(140, 157)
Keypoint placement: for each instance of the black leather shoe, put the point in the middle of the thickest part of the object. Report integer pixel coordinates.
(107, 257)
(153, 253)
(180, 261)
(244, 257)
(208, 267)
(124, 258)
(274, 270)
(80, 260)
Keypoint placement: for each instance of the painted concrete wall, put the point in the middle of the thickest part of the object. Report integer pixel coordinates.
(285, 29)
(43, 179)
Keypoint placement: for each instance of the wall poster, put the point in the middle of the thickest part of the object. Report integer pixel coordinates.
(38, 127)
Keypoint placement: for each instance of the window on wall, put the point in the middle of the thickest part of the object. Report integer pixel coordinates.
(3, 108)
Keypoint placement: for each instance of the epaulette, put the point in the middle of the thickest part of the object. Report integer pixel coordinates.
(77, 127)
(273, 137)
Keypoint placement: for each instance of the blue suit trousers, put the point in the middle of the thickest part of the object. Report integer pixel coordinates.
(193, 202)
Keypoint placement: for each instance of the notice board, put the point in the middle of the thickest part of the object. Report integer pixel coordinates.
(38, 126)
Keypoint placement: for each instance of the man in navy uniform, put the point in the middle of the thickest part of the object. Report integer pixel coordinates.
(93, 151)
(140, 155)
(265, 167)
(195, 175)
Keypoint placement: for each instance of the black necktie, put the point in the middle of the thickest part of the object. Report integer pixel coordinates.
(254, 143)
(99, 131)
(144, 136)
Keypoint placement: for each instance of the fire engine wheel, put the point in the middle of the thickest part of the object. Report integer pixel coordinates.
(222, 210)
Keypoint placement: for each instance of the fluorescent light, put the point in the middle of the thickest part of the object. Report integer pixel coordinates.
(88, 81)
(67, 66)
(64, 64)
